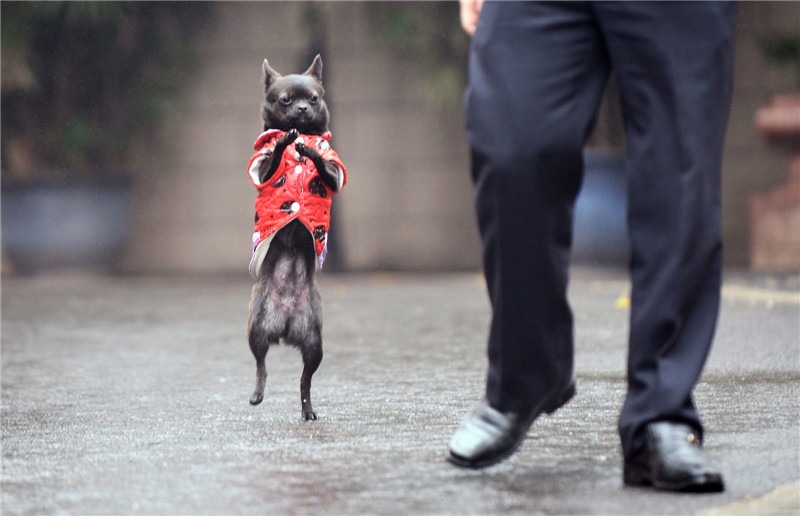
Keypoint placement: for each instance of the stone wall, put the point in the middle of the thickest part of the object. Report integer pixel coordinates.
(408, 203)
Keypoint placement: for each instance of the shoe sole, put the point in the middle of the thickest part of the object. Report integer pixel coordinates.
(549, 406)
(635, 477)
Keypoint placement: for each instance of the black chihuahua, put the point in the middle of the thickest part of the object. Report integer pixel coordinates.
(296, 173)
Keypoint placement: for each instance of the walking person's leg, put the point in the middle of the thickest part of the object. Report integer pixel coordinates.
(674, 65)
(537, 73)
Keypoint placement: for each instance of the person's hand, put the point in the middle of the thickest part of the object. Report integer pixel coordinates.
(470, 10)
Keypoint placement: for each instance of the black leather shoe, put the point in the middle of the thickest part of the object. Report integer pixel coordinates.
(672, 459)
(488, 436)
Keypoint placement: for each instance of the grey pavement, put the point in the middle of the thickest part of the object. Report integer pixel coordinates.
(130, 396)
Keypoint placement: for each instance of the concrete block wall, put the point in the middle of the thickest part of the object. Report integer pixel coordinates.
(408, 203)
(194, 207)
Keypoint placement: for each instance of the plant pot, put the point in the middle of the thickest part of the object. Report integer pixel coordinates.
(51, 225)
(775, 215)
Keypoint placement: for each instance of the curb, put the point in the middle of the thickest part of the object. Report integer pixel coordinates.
(782, 500)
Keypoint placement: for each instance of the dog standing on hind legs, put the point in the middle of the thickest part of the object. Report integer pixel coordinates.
(296, 172)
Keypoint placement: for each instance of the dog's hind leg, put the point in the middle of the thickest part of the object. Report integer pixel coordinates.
(312, 357)
(305, 332)
(260, 353)
(259, 342)
(259, 345)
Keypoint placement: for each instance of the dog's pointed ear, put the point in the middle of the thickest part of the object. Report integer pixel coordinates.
(315, 70)
(270, 75)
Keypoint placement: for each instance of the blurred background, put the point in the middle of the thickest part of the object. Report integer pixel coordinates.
(127, 128)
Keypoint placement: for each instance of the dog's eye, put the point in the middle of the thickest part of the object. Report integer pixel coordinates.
(314, 99)
(286, 99)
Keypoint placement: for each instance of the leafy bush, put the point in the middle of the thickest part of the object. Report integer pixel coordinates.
(85, 82)
(784, 49)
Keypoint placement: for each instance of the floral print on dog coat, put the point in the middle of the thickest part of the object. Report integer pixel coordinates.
(295, 191)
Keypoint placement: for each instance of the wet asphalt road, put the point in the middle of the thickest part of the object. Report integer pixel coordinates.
(130, 396)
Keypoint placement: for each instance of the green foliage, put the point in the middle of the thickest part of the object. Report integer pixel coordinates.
(84, 82)
(784, 49)
(428, 34)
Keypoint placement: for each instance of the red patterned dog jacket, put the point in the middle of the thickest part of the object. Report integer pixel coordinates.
(295, 191)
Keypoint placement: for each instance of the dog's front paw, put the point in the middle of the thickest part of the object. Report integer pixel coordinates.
(290, 136)
(256, 398)
(304, 151)
(309, 415)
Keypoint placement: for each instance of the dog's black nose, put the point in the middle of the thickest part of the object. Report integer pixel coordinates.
(302, 109)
